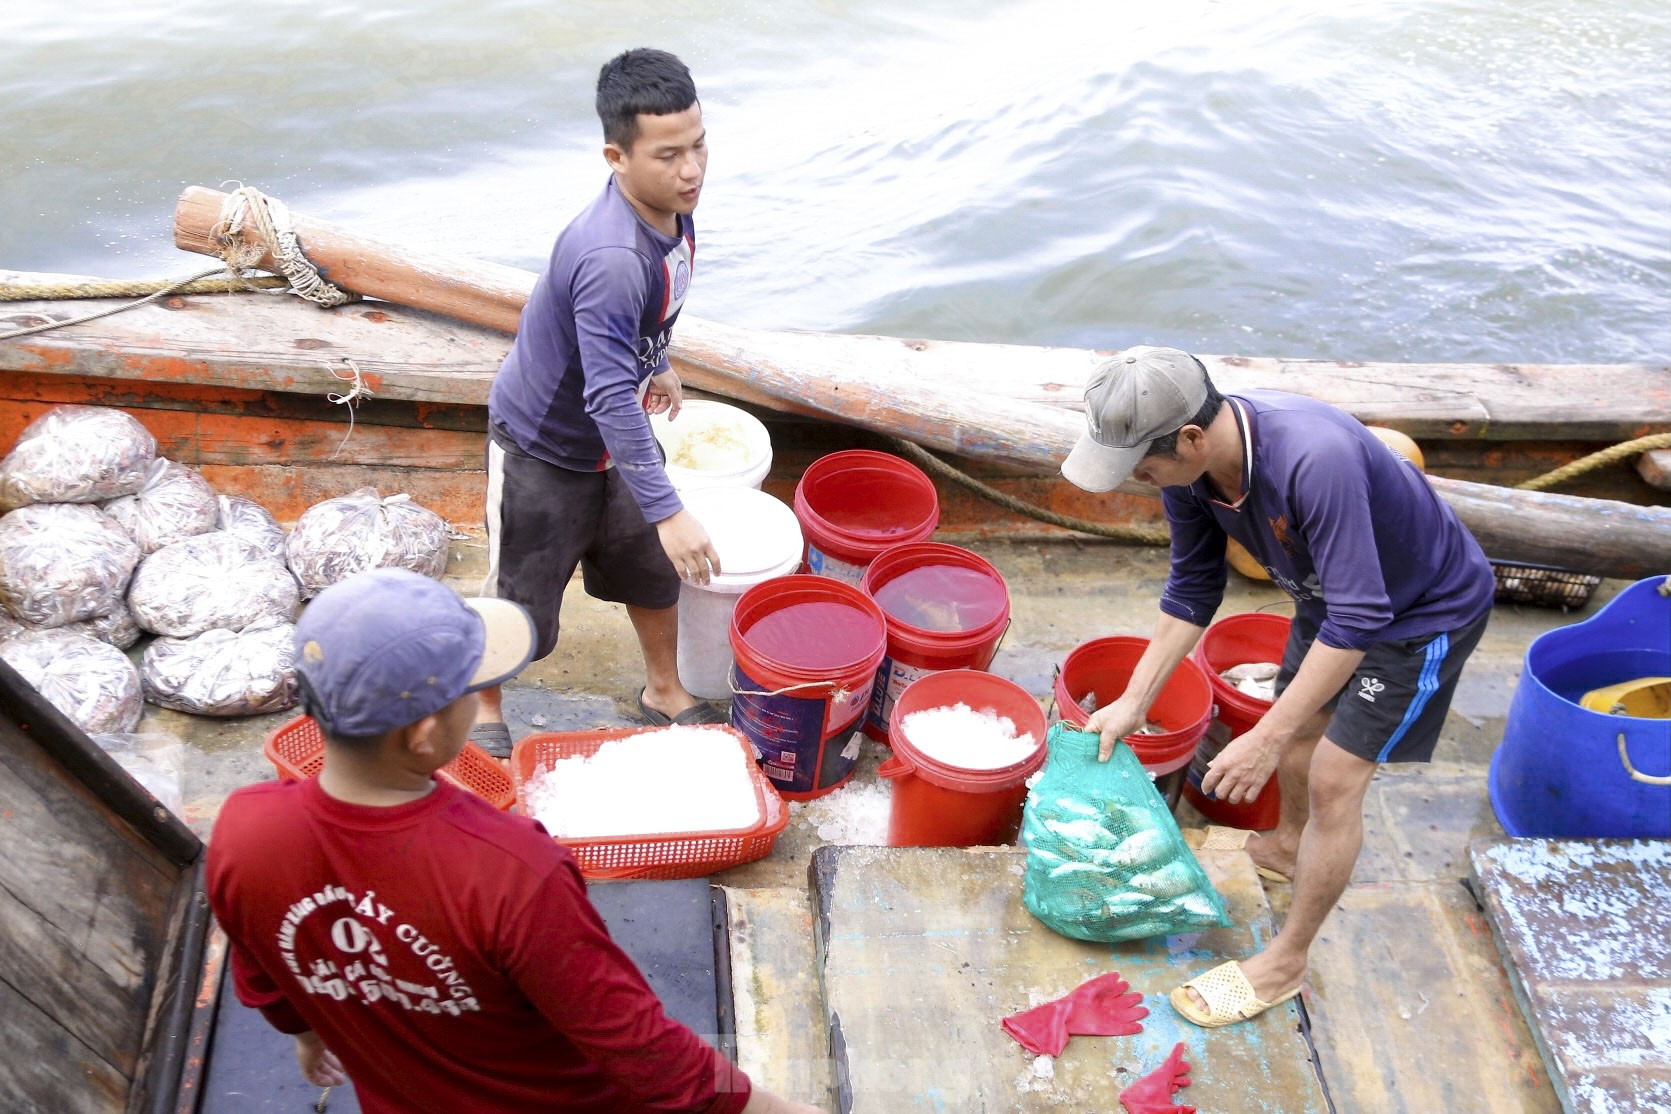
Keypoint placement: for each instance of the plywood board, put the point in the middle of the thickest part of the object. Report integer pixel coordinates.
(924, 950)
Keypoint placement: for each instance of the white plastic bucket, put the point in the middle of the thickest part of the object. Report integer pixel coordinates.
(757, 538)
(712, 444)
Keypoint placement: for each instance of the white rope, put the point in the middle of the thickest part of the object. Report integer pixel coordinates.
(269, 219)
(351, 399)
(838, 693)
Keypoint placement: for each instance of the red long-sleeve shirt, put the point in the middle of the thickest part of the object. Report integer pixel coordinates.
(448, 954)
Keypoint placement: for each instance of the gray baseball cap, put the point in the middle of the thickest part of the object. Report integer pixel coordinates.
(387, 647)
(1143, 393)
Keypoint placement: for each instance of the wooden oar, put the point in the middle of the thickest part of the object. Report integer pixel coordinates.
(932, 393)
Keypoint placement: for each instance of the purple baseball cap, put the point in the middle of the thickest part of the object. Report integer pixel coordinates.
(387, 647)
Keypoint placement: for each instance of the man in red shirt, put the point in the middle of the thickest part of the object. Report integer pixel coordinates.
(441, 954)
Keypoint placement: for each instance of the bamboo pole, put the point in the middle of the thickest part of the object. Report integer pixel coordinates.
(879, 383)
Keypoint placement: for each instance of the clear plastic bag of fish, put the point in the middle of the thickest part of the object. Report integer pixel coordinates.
(76, 454)
(156, 760)
(91, 682)
(175, 503)
(1105, 859)
(362, 530)
(210, 581)
(116, 628)
(249, 520)
(62, 563)
(224, 672)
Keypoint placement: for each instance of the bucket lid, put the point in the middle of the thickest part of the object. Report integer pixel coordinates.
(756, 536)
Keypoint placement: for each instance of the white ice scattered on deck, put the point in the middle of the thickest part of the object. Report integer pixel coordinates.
(960, 736)
(857, 813)
(679, 779)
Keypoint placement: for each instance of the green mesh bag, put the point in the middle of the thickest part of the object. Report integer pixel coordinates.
(1105, 859)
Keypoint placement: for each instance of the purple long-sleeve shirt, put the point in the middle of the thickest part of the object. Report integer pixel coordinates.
(1345, 525)
(595, 328)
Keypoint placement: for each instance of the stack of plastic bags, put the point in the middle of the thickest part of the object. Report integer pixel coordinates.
(102, 541)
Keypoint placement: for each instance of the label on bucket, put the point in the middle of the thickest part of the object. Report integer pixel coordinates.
(820, 563)
(891, 679)
(798, 739)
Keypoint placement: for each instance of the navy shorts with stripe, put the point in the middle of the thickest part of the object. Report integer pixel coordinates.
(1393, 707)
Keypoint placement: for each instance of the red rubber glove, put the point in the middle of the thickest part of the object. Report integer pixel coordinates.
(1106, 1006)
(1153, 1093)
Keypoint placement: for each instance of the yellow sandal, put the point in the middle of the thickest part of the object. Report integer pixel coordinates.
(1217, 837)
(1229, 997)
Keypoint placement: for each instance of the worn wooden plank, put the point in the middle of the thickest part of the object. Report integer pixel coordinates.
(79, 868)
(1411, 1010)
(781, 1039)
(288, 490)
(44, 1069)
(924, 950)
(1583, 925)
(44, 965)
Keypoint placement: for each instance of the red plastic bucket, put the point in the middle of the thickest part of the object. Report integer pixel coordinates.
(1235, 640)
(854, 504)
(936, 804)
(1184, 707)
(946, 608)
(806, 650)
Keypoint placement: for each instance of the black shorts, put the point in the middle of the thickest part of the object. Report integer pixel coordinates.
(544, 521)
(1394, 706)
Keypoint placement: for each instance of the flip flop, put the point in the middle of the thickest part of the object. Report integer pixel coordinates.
(1217, 837)
(1229, 997)
(696, 715)
(495, 738)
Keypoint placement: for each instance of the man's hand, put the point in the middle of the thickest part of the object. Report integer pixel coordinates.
(320, 1065)
(687, 546)
(665, 394)
(1244, 766)
(1114, 722)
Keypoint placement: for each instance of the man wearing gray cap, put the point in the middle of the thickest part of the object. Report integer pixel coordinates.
(1391, 595)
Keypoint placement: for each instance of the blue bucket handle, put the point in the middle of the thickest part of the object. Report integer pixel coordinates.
(1635, 774)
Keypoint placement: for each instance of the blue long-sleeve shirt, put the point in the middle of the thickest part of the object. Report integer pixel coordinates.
(1345, 525)
(595, 328)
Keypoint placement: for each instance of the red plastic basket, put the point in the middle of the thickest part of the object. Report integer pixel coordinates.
(297, 750)
(665, 854)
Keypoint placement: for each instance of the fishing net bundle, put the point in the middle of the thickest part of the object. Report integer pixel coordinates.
(91, 682)
(212, 580)
(174, 503)
(1105, 859)
(224, 672)
(62, 563)
(249, 520)
(362, 530)
(76, 454)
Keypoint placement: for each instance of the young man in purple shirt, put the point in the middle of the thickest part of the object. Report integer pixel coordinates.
(1391, 595)
(575, 477)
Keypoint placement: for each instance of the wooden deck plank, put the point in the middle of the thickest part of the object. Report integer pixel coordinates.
(924, 950)
(781, 1040)
(1583, 925)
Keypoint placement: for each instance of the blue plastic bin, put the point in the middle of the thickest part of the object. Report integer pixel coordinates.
(1564, 771)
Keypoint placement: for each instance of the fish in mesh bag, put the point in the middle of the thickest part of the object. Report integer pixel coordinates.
(1105, 859)
(175, 503)
(362, 530)
(62, 563)
(224, 672)
(76, 454)
(210, 581)
(91, 682)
